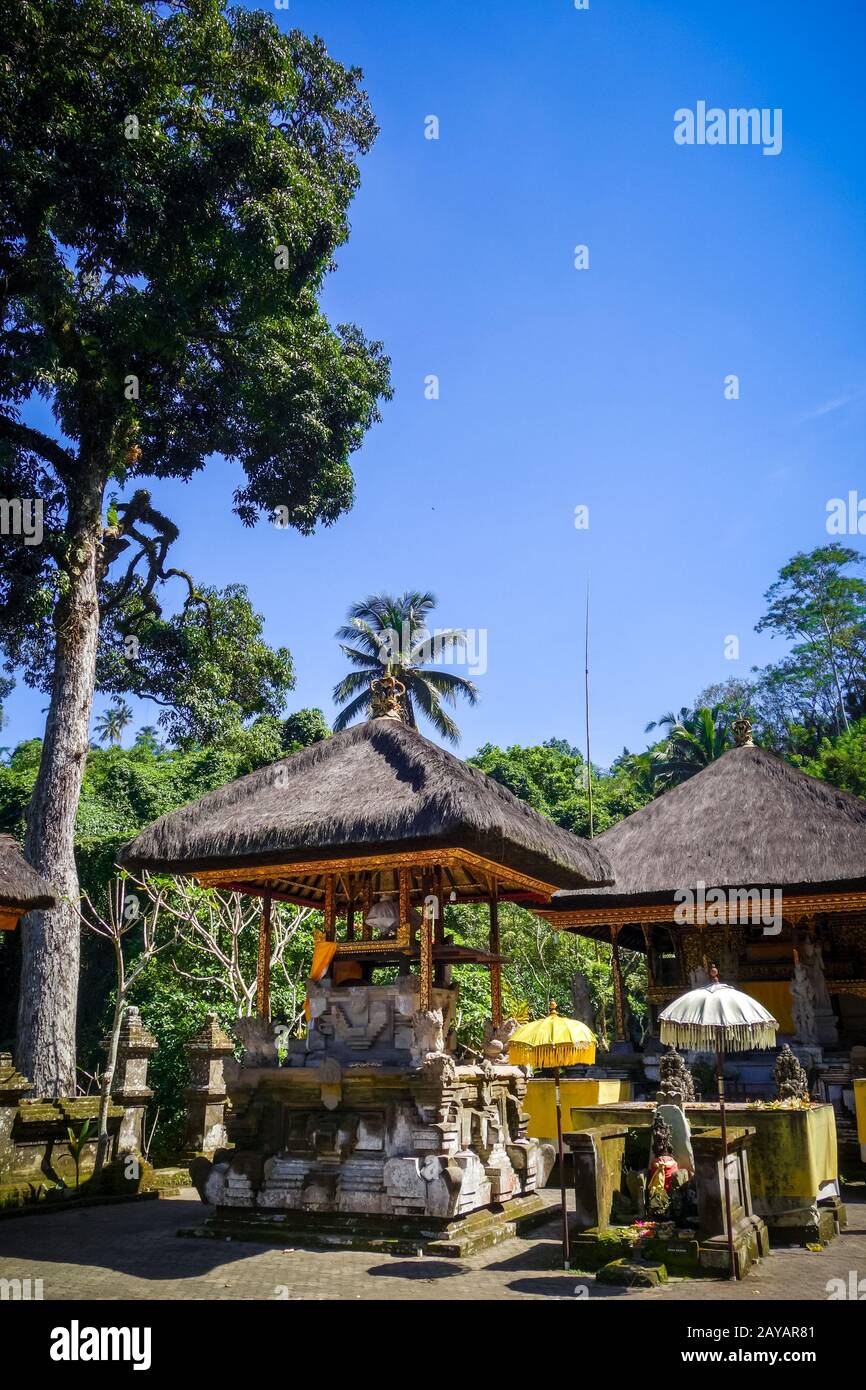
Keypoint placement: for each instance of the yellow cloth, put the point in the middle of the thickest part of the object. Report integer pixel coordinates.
(540, 1104)
(323, 954)
(775, 995)
(860, 1105)
(554, 1041)
(793, 1151)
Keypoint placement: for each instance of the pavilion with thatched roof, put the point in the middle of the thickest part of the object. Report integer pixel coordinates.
(750, 863)
(376, 1117)
(375, 814)
(21, 887)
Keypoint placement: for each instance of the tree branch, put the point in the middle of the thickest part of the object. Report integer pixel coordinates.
(42, 444)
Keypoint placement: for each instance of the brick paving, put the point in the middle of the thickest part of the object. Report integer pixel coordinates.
(131, 1251)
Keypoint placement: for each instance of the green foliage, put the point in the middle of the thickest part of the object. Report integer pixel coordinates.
(542, 963)
(821, 609)
(209, 666)
(842, 761)
(149, 184)
(552, 779)
(76, 1144)
(124, 789)
(173, 1008)
(694, 739)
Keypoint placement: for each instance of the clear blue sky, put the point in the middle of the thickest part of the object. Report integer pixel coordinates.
(560, 387)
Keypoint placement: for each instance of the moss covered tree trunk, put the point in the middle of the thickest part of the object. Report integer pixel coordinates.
(48, 994)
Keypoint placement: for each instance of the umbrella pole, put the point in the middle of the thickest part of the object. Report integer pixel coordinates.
(566, 1251)
(720, 1072)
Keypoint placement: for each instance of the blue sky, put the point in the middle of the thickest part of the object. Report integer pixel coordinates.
(601, 387)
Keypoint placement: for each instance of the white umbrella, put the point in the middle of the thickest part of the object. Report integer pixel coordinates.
(723, 1019)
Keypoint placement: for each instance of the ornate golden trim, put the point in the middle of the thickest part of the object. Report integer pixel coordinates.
(793, 905)
(450, 858)
(399, 942)
(663, 994)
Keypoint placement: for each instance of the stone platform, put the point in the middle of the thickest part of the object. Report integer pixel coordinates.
(454, 1239)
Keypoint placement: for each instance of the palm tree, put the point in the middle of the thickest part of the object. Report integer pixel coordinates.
(111, 723)
(388, 632)
(148, 737)
(644, 770)
(695, 738)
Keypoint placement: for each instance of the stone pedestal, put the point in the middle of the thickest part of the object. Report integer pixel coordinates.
(596, 1156)
(749, 1232)
(129, 1085)
(13, 1089)
(206, 1093)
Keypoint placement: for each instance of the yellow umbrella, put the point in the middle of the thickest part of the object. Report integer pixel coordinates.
(555, 1042)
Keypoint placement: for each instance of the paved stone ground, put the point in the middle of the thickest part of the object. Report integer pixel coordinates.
(131, 1251)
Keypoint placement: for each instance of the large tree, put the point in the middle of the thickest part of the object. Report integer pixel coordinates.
(821, 607)
(174, 181)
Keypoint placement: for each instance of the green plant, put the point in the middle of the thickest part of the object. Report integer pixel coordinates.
(76, 1144)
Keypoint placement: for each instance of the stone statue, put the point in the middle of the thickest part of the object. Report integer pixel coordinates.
(803, 1007)
(497, 1038)
(258, 1040)
(813, 959)
(789, 1076)
(825, 1020)
(676, 1084)
(581, 1000)
(428, 1035)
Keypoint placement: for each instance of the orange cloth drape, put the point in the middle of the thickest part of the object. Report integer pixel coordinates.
(323, 954)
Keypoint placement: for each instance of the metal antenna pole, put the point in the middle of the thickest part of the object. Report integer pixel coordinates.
(586, 705)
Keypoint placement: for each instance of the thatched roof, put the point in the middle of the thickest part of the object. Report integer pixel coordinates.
(378, 787)
(749, 819)
(20, 886)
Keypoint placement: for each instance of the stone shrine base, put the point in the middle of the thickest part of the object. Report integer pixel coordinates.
(405, 1235)
(677, 1255)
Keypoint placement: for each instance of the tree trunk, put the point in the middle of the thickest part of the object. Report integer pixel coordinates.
(48, 997)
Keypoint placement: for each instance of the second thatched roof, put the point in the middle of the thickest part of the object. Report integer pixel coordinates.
(377, 787)
(748, 819)
(21, 886)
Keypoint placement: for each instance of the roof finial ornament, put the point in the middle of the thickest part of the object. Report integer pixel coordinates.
(743, 733)
(386, 700)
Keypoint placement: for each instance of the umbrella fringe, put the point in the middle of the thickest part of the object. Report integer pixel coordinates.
(731, 1037)
(555, 1055)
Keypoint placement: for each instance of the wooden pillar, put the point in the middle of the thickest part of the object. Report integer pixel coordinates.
(263, 969)
(618, 991)
(404, 884)
(366, 904)
(648, 943)
(426, 941)
(495, 967)
(350, 909)
(330, 908)
(440, 893)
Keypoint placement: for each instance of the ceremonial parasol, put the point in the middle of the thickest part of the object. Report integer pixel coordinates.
(554, 1041)
(720, 1018)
